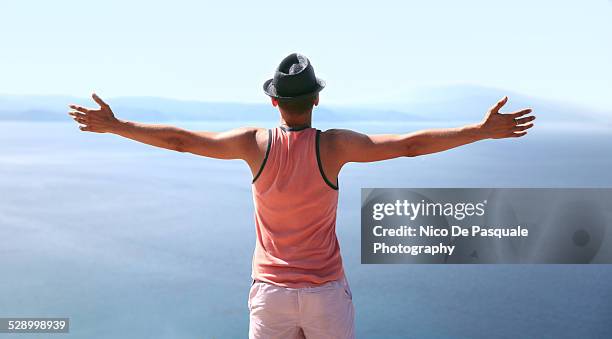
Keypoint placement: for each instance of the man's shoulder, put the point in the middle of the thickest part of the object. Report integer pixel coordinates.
(338, 135)
(249, 133)
(249, 138)
(336, 141)
(248, 130)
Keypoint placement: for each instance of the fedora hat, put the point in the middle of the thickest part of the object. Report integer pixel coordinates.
(294, 78)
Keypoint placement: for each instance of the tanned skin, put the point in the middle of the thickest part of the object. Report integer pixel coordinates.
(337, 146)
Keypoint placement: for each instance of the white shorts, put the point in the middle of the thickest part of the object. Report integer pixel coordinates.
(324, 311)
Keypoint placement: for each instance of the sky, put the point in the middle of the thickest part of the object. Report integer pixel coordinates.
(367, 51)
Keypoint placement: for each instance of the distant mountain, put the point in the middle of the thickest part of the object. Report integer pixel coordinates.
(54, 108)
(467, 102)
(451, 103)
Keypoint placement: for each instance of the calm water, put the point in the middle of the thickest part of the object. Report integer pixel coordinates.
(134, 242)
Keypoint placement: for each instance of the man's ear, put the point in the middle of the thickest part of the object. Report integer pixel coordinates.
(274, 102)
(316, 101)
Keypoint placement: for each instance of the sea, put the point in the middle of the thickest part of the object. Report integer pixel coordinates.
(130, 241)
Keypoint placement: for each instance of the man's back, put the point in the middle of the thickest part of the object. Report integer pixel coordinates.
(295, 213)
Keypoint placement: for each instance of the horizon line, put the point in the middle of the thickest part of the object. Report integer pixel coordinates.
(339, 104)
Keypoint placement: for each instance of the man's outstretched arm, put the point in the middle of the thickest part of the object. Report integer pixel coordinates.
(349, 146)
(235, 144)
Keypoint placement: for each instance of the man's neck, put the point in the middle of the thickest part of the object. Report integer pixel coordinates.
(296, 121)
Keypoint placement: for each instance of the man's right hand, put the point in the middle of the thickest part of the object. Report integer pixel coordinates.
(101, 120)
(497, 125)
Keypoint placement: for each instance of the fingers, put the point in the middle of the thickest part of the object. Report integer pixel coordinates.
(87, 128)
(85, 116)
(82, 120)
(520, 113)
(499, 105)
(99, 101)
(525, 120)
(82, 109)
(517, 134)
(76, 114)
(79, 108)
(78, 117)
(522, 127)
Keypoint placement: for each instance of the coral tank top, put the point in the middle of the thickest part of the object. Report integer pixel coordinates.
(295, 213)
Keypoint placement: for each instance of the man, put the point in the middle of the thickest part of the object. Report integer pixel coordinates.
(299, 287)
